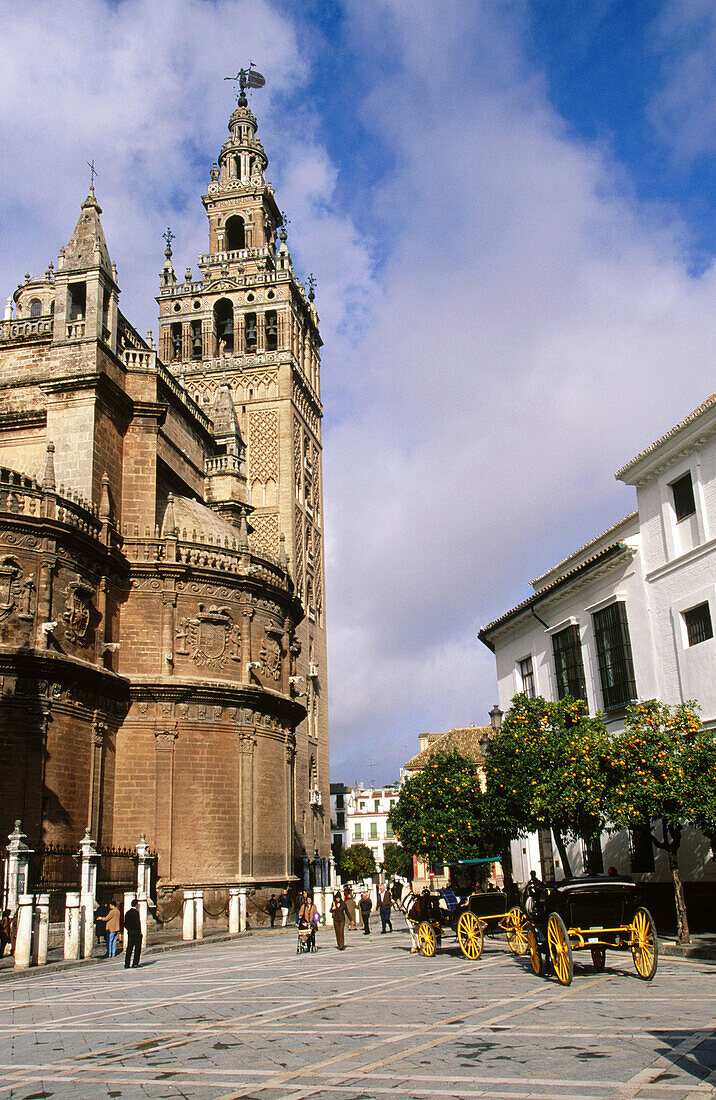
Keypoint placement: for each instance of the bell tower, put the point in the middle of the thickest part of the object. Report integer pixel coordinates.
(245, 330)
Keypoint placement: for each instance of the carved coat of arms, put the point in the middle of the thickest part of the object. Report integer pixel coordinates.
(270, 658)
(78, 612)
(205, 637)
(15, 595)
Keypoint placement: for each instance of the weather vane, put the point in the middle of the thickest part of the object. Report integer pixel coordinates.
(93, 171)
(247, 78)
(168, 237)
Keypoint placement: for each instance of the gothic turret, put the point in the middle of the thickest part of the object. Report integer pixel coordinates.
(86, 291)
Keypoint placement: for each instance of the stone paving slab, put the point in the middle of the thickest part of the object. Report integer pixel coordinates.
(250, 1018)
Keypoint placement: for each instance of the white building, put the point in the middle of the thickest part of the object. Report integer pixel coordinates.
(628, 616)
(359, 815)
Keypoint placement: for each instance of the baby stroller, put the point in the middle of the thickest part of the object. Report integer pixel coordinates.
(306, 938)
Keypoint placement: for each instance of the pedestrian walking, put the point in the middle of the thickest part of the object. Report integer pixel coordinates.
(365, 911)
(338, 912)
(100, 930)
(283, 905)
(350, 903)
(111, 929)
(385, 904)
(271, 907)
(133, 928)
(5, 936)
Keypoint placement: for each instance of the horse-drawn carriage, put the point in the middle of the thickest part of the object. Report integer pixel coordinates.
(593, 913)
(469, 918)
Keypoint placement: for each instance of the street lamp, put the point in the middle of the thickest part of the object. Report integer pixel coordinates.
(496, 718)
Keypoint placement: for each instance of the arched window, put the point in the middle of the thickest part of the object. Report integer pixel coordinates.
(35, 308)
(224, 326)
(271, 330)
(234, 234)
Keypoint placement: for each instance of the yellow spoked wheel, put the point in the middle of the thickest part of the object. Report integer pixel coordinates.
(427, 940)
(469, 936)
(534, 952)
(560, 949)
(516, 931)
(644, 944)
(599, 957)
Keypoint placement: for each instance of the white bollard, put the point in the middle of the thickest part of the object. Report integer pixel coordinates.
(87, 907)
(188, 923)
(233, 910)
(128, 899)
(72, 926)
(23, 940)
(199, 914)
(42, 928)
(242, 909)
(143, 908)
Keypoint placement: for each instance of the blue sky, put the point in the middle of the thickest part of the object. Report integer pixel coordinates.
(509, 208)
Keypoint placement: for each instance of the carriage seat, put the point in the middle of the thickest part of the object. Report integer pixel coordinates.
(448, 899)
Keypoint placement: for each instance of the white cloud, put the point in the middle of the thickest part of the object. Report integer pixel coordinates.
(684, 109)
(535, 328)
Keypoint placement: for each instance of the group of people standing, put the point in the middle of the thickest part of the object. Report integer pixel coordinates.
(109, 916)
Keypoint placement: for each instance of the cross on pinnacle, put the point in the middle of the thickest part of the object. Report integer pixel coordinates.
(93, 171)
(168, 237)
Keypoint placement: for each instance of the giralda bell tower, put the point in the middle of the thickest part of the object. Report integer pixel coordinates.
(247, 328)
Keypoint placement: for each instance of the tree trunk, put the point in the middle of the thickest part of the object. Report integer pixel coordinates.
(682, 920)
(510, 888)
(561, 848)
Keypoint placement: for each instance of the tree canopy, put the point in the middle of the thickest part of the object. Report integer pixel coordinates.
(356, 862)
(439, 815)
(396, 861)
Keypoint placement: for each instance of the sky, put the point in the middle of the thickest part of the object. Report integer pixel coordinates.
(509, 210)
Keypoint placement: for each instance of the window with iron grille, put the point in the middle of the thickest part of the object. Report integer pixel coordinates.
(683, 494)
(568, 666)
(527, 677)
(616, 668)
(699, 627)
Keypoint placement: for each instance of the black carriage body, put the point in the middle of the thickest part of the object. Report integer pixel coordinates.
(595, 906)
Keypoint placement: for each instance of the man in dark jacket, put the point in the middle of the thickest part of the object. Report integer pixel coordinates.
(385, 904)
(365, 909)
(133, 928)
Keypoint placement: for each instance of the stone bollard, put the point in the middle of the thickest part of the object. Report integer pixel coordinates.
(17, 867)
(242, 909)
(128, 899)
(41, 930)
(23, 941)
(199, 914)
(72, 926)
(87, 908)
(188, 919)
(143, 908)
(234, 920)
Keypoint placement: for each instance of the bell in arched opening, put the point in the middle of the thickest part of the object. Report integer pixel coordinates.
(224, 326)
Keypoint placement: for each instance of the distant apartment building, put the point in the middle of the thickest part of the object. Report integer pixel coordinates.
(359, 815)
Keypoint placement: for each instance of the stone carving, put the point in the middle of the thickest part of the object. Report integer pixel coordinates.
(263, 446)
(270, 658)
(78, 612)
(206, 636)
(12, 589)
(265, 534)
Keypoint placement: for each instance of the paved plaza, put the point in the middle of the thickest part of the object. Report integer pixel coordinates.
(250, 1018)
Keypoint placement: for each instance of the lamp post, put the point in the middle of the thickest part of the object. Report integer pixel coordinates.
(496, 718)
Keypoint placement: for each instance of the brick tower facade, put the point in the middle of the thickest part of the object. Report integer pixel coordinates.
(248, 329)
(162, 640)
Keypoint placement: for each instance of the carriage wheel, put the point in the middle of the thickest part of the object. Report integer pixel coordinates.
(534, 952)
(516, 933)
(469, 935)
(426, 939)
(644, 944)
(560, 949)
(599, 958)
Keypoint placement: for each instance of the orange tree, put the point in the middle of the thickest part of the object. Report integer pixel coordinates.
(356, 862)
(547, 767)
(439, 815)
(662, 778)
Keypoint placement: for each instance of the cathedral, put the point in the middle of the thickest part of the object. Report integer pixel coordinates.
(162, 620)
